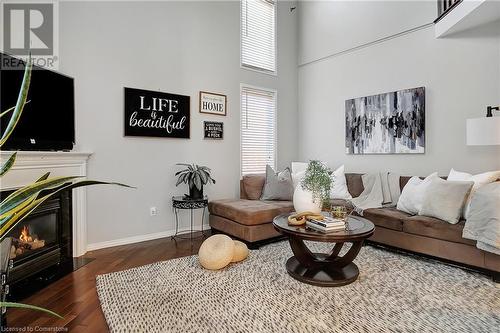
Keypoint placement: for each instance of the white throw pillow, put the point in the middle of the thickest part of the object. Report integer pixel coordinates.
(479, 180)
(297, 178)
(339, 188)
(483, 218)
(298, 172)
(299, 167)
(445, 199)
(412, 196)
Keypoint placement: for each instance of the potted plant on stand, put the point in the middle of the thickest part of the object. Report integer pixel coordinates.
(195, 176)
(313, 191)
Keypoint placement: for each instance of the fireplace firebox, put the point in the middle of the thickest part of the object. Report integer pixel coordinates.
(41, 242)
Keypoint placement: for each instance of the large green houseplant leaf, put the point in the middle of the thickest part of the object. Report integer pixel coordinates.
(22, 202)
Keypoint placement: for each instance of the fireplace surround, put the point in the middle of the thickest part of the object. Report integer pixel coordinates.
(30, 165)
(45, 244)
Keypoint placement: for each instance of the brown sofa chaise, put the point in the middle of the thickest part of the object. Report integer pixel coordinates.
(250, 219)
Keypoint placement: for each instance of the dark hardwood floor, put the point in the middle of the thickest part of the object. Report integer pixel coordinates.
(74, 296)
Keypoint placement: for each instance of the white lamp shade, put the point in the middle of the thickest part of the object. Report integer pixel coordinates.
(483, 131)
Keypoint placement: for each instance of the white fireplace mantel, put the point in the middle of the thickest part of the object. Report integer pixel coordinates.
(30, 165)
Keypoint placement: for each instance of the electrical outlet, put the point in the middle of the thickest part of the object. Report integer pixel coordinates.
(153, 211)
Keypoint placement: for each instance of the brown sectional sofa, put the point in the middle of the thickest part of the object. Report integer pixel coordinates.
(250, 219)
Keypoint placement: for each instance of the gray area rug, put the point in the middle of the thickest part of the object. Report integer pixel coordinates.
(394, 293)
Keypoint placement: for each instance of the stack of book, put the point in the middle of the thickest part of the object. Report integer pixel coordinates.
(328, 224)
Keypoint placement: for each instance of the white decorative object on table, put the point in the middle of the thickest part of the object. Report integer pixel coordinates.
(303, 201)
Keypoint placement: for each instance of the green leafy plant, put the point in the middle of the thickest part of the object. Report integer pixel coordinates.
(318, 181)
(195, 176)
(22, 202)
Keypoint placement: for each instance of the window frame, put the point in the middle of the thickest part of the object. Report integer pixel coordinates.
(253, 68)
(275, 141)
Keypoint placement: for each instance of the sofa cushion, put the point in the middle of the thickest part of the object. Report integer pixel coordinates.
(413, 194)
(354, 183)
(341, 202)
(339, 189)
(390, 218)
(479, 181)
(435, 228)
(249, 212)
(403, 180)
(445, 199)
(278, 185)
(253, 185)
(249, 233)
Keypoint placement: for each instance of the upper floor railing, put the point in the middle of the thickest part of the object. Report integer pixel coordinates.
(445, 6)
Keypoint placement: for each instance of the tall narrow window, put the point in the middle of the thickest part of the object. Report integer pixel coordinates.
(258, 35)
(258, 129)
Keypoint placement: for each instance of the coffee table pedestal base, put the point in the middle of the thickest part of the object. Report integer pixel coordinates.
(326, 275)
(334, 268)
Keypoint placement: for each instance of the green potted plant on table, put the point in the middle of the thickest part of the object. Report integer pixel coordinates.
(313, 191)
(195, 176)
(22, 202)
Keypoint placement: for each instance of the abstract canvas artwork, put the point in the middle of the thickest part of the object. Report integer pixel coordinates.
(389, 123)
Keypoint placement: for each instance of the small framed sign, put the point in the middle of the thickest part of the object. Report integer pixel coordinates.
(213, 130)
(156, 114)
(213, 103)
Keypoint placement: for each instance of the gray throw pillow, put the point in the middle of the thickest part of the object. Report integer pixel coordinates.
(278, 185)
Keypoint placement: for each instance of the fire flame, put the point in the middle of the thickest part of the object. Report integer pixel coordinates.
(25, 235)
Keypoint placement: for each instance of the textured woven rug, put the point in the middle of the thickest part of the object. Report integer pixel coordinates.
(394, 293)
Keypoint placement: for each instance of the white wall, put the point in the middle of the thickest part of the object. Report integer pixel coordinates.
(461, 76)
(328, 27)
(177, 47)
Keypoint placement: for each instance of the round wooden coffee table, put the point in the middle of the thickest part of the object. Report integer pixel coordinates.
(324, 269)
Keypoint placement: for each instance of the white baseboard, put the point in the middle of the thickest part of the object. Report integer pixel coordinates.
(135, 239)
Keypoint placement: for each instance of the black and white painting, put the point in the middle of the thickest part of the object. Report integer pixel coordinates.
(389, 123)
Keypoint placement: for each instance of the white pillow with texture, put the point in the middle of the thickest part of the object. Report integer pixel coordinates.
(297, 178)
(339, 188)
(298, 172)
(445, 199)
(412, 196)
(479, 180)
(299, 166)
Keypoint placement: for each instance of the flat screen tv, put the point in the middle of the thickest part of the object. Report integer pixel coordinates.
(48, 120)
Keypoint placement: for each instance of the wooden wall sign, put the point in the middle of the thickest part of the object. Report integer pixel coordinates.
(213, 103)
(156, 114)
(213, 130)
